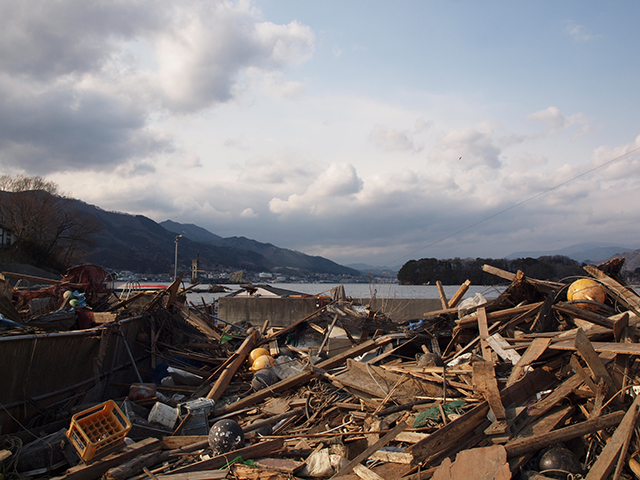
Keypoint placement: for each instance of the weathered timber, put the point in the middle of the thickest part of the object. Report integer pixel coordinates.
(227, 374)
(605, 462)
(376, 446)
(99, 467)
(531, 354)
(304, 376)
(256, 450)
(519, 447)
(452, 435)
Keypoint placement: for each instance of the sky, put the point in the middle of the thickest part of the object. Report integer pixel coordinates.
(362, 131)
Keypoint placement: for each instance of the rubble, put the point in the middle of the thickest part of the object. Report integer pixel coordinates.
(531, 384)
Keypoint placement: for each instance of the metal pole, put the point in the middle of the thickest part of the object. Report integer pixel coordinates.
(175, 267)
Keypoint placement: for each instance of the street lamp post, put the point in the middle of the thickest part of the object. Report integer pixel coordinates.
(175, 267)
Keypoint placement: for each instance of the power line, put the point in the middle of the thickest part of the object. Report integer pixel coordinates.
(555, 187)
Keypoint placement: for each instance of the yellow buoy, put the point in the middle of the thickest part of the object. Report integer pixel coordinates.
(255, 353)
(263, 361)
(586, 289)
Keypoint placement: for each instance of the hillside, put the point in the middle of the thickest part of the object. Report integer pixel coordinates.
(137, 243)
(281, 257)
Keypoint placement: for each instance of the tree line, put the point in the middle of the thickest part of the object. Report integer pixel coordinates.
(50, 233)
(457, 270)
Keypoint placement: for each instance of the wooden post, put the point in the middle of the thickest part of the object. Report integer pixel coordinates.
(459, 294)
(443, 297)
(227, 374)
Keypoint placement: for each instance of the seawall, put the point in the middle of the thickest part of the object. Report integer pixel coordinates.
(282, 312)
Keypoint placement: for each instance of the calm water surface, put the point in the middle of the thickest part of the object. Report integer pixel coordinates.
(362, 290)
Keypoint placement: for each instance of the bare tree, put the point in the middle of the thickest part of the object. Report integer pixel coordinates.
(47, 226)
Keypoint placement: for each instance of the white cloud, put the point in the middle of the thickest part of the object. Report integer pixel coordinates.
(389, 139)
(467, 147)
(248, 213)
(578, 33)
(82, 82)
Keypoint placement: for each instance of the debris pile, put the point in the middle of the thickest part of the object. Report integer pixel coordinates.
(540, 382)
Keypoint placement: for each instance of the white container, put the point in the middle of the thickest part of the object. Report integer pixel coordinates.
(164, 415)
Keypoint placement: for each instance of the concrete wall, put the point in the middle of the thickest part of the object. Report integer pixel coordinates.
(282, 312)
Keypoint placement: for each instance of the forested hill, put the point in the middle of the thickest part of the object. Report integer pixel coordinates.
(456, 271)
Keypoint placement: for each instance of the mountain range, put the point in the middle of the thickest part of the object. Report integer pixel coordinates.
(137, 243)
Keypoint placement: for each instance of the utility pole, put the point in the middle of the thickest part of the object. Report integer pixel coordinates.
(175, 267)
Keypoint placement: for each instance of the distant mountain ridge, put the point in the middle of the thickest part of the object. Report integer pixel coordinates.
(137, 243)
(282, 257)
(580, 252)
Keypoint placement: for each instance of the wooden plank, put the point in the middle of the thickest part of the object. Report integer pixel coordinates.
(304, 376)
(293, 326)
(533, 352)
(523, 446)
(471, 320)
(445, 439)
(624, 294)
(601, 347)
(376, 446)
(499, 345)
(227, 374)
(258, 450)
(443, 297)
(97, 469)
(484, 381)
(366, 474)
(586, 378)
(584, 314)
(459, 294)
(483, 328)
(547, 403)
(206, 475)
(589, 355)
(543, 425)
(605, 462)
(392, 457)
(172, 442)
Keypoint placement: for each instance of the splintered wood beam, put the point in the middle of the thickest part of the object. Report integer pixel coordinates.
(537, 347)
(227, 374)
(446, 439)
(373, 448)
(562, 391)
(253, 451)
(443, 297)
(471, 320)
(98, 468)
(624, 294)
(484, 381)
(304, 376)
(604, 464)
(459, 294)
(523, 446)
(483, 328)
(589, 355)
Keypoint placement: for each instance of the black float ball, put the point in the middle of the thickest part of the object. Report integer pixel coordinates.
(225, 436)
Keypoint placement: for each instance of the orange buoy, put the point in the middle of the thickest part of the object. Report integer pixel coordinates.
(586, 289)
(263, 361)
(255, 353)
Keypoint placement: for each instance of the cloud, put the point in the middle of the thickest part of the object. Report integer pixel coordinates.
(66, 127)
(82, 82)
(555, 121)
(389, 139)
(332, 188)
(248, 213)
(466, 147)
(200, 61)
(578, 33)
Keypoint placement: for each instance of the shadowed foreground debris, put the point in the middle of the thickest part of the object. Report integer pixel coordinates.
(540, 382)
